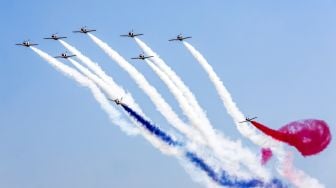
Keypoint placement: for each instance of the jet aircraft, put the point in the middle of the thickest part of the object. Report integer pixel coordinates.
(65, 55)
(55, 37)
(142, 57)
(179, 37)
(117, 101)
(131, 34)
(248, 119)
(84, 30)
(26, 43)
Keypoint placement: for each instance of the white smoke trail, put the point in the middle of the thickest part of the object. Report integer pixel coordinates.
(248, 131)
(231, 107)
(198, 118)
(113, 114)
(184, 105)
(187, 110)
(229, 152)
(103, 85)
(116, 89)
(162, 106)
(189, 96)
(298, 177)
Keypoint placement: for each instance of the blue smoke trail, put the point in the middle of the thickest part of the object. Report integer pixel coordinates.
(227, 180)
(151, 128)
(223, 178)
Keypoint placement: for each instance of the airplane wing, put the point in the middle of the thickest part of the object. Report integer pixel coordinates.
(19, 44)
(33, 44)
(124, 35)
(48, 38)
(253, 118)
(172, 39)
(137, 35)
(77, 32)
(135, 58)
(186, 38)
(61, 37)
(148, 57)
(58, 57)
(90, 30)
(71, 56)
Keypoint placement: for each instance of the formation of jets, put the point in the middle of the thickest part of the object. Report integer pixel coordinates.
(142, 57)
(248, 119)
(85, 30)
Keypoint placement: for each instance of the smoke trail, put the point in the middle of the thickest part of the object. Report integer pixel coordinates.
(199, 120)
(226, 180)
(103, 85)
(231, 149)
(115, 117)
(309, 136)
(113, 114)
(231, 107)
(162, 106)
(189, 96)
(222, 179)
(296, 175)
(101, 99)
(237, 115)
(266, 155)
(118, 90)
(151, 128)
(184, 105)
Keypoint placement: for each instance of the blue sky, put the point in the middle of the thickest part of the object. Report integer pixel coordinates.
(276, 58)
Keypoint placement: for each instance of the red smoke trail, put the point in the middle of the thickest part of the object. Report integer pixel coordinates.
(309, 136)
(266, 155)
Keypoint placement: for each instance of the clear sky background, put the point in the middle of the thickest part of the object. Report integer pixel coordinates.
(277, 58)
